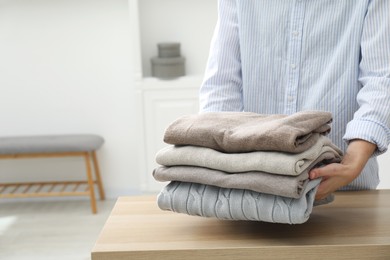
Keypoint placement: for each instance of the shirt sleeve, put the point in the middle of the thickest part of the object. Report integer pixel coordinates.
(371, 121)
(221, 89)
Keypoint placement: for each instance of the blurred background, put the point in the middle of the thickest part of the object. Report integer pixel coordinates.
(83, 66)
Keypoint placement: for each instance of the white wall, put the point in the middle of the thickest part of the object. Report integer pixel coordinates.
(190, 22)
(66, 67)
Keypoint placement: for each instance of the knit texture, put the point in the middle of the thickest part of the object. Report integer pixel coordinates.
(235, 132)
(236, 204)
(267, 161)
(288, 186)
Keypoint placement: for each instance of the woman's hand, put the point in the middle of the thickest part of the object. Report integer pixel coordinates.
(336, 175)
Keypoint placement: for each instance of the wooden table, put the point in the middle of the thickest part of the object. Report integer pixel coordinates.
(355, 226)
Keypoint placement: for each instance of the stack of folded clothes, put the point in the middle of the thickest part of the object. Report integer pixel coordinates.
(245, 166)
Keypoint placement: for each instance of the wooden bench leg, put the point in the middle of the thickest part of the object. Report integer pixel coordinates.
(90, 182)
(98, 178)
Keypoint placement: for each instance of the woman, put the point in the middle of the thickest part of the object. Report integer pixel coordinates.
(280, 57)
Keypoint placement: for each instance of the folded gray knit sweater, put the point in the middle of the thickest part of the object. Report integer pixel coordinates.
(235, 132)
(287, 186)
(236, 204)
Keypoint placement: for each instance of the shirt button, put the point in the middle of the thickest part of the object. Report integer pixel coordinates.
(293, 66)
(290, 98)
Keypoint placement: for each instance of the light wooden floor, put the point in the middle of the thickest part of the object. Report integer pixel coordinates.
(50, 229)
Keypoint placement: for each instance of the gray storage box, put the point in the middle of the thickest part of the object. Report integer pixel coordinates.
(168, 67)
(169, 63)
(168, 50)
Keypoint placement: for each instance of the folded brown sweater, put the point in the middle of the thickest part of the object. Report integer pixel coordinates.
(235, 132)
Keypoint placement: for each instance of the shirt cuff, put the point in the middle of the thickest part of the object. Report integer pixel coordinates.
(369, 131)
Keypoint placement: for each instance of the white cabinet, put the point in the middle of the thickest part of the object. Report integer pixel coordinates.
(160, 102)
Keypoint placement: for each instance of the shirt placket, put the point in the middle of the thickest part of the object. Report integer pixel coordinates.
(294, 56)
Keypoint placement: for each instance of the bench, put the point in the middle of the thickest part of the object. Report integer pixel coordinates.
(49, 146)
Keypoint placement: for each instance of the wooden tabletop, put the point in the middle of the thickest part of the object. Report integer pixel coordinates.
(355, 226)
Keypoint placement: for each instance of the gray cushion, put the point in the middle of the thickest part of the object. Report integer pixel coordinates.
(50, 144)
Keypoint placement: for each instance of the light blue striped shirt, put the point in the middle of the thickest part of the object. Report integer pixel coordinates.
(284, 56)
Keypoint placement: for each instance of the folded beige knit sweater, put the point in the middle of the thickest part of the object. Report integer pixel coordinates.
(267, 161)
(236, 132)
